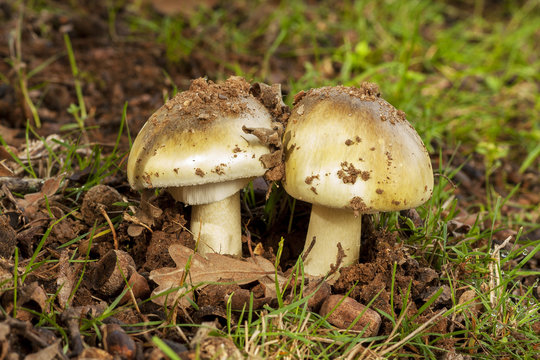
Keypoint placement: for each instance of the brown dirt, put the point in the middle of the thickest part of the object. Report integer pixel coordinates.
(366, 92)
(358, 205)
(206, 100)
(348, 173)
(372, 278)
(98, 199)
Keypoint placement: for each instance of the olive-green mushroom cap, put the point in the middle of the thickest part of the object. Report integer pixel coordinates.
(347, 147)
(196, 138)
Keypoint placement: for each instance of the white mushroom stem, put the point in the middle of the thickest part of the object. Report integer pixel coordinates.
(331, 226)
(216, 226)
(215, 215)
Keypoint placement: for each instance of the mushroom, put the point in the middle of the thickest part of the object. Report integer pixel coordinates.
(349, 152)
(194, 146)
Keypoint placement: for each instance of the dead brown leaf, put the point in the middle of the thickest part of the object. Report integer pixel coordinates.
(65, 280)
(52, 351)
(29, 296)
(4, 170)
(145, 215)
(49, 188)
(212, 268)
(10, 137)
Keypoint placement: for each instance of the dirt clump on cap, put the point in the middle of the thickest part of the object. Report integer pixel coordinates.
(348, 173)
(309, 179)
(358, 205)
(271, 97)
(367, 91)
(206, 100)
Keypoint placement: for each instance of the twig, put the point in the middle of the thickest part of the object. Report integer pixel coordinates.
(365, 350)
(248, 237)
(115, 239)
(446, 178)
(71, 317)
(21, 185)
(135, 220)
(398, 323)
(339, 259)
(181, 333)
(309, 248)
(24, 328)
(494, 266)
(133, 299)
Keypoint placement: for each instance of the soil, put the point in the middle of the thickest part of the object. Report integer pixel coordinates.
(116, 70)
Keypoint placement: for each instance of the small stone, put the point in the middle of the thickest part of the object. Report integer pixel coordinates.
(322, 292)
(344, 314)
(118, 343)
(139, 287)
(474, 305)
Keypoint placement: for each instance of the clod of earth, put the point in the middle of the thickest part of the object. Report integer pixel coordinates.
(195, 147)
(319, 292)
(347, 313)
(206, 346)
(29, 296)
(8, 236)
(99, 199)
(110, 271)
(387, 169)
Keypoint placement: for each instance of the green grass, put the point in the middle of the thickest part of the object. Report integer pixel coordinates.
(467, 76)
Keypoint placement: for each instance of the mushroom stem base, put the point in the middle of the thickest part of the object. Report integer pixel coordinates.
(216, 226)
(330, 226)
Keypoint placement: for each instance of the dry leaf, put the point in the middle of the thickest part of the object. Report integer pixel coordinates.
(37, 149)
(212, 268)
(259, 249)
(50, 352)
(11, 137)
(49, 188)
(4, 170)
(29, 296)
(144, 215)
(65, 280)
(136, 228)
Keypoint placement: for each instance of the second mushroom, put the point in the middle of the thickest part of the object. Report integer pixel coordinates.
(349, 152)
